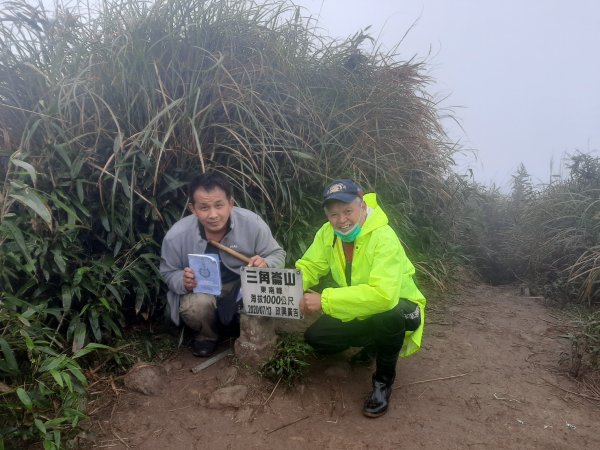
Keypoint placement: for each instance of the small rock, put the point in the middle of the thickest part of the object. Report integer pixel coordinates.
(4, 388)
(145, 378)
(227, 375)
(88, 436)
(339, 370)
(173, 365)
(194, 393)
(228, 397)
(243, 415)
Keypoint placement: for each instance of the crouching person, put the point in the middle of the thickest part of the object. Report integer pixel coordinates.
(214, 218)
(376, 304)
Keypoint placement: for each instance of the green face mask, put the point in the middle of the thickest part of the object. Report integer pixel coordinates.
(350, 235)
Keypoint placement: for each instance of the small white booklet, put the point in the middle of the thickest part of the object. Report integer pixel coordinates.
(207, 272)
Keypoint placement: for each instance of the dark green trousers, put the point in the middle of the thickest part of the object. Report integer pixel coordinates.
(383, 332)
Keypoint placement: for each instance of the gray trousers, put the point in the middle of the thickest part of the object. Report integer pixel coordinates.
(198, 311)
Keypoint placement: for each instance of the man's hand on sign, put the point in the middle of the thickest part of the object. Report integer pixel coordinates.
(257, 261)
(189, 280)
(310, 303)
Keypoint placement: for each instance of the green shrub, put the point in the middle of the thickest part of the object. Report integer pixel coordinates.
(43, 390)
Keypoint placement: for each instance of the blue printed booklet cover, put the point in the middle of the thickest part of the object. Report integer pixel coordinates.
(207, 272)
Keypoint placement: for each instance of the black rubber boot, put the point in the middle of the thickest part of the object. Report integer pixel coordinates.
(377, 403)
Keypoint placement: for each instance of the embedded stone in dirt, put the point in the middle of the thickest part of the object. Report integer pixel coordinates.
(173, 365)
(227, 375)
(228, 397)
(243, 415)
(145, 378)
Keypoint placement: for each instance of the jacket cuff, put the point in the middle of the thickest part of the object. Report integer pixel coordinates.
(178, 284)
(326, 301)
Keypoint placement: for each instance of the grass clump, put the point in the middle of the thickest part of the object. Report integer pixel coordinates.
(585, 345)
(289, 361)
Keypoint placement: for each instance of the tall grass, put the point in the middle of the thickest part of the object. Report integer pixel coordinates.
(548, 236)
(104, 114)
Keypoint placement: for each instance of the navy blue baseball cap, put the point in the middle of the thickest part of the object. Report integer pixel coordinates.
(344, 190)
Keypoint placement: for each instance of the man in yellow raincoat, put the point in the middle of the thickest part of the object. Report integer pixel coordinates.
(376, 304)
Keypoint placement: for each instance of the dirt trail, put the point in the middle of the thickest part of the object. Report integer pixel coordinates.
(501, 349)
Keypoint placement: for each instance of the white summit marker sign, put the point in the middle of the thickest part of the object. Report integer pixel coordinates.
(272, 292)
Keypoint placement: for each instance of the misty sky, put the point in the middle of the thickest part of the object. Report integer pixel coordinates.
(523, 76)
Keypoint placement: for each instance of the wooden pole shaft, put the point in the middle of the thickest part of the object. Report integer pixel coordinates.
(233, 253)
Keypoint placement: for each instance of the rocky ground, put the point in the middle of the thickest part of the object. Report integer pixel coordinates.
(488, 376)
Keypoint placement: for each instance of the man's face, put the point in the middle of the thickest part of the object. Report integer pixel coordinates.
(212, 208)
(342, 216)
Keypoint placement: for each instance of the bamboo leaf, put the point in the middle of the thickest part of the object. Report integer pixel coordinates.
(35, 203)
(40, 425)
(67, 297)
(68, 381)
(24, 397)
(57, 377)
(24, 321)
(94, 325)
(63, 154)
(59, 260)
(76, 371)
(28, 341)
(19, 239)
(9, 356)
(79, 337)
(28, 167)
(53, 363)
(79, 275)
(79, 188)
(113, 290)
(90, 348)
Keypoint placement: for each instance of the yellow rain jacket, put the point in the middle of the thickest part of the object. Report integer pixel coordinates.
(381, 273)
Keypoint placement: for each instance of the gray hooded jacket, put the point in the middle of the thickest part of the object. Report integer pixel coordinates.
(249, 235)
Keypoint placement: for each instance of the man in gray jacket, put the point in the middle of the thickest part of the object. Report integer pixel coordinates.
(213, 218)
